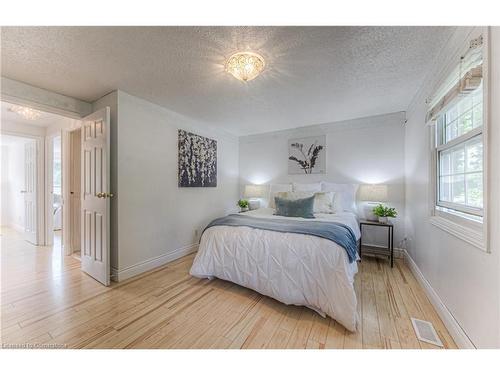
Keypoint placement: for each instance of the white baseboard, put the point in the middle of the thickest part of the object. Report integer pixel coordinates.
(453, 327)
(147, 265)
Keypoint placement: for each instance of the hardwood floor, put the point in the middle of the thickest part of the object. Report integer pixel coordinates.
(47, 300)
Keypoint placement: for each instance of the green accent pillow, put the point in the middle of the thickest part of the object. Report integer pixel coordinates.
(295, 208)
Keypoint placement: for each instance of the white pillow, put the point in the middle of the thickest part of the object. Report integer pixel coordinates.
(316, 187)
(277, 188)
(337, 202)
(347, 193)
(324, 202)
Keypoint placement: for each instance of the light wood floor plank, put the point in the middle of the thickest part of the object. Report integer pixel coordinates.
(47, 300)
(371, 329)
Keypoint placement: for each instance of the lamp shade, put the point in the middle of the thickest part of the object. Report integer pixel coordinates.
(373, 193)
(255, 191)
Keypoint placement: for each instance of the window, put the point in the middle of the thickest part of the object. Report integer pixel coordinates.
(460, 155)
(457, 114)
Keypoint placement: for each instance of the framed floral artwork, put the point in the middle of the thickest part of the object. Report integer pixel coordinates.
(197, 160)
(307, 155)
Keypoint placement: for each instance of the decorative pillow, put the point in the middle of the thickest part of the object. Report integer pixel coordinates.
(275, 189)
(324, 202)
(346, 192)
(316, 187)
(295, 208)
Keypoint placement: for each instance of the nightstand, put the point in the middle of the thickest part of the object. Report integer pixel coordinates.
(388, 251)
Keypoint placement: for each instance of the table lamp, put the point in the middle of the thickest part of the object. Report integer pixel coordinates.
(372, 195)
(254, 193)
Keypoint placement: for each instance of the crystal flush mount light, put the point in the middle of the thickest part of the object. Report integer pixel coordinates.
(27, 113)
(245, 66)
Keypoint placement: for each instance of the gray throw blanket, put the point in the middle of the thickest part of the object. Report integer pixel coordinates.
(341, 234)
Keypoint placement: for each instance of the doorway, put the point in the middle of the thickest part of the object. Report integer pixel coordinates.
(64, 180)
(57, 197)
(35, 188)
(18, 187)
(66, 194)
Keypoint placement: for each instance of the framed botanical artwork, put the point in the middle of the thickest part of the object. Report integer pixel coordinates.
(197, 160)
(307, 155)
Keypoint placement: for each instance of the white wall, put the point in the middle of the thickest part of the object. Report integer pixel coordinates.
(12, 211)
(156, 220)
(465, 278)
(366, 150)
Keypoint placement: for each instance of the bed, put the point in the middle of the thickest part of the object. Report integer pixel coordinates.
(294, 268)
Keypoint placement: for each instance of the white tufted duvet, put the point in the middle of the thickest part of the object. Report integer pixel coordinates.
(293, 268)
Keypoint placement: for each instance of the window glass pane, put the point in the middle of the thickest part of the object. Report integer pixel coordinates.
(445, 163)
(458, 189)
(451, 131)
(477, 115)
(477, 95)
(457, 160)
(465, 123)
(474, 149)
(451, 115)
(464, 104)
(475, 189)
(463, 116)
(445, 189)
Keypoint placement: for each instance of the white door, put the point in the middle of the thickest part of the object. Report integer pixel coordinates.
(29, 192)
(95, 196)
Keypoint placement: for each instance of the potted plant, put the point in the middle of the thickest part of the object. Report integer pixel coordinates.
(243, 204)
(384, 212)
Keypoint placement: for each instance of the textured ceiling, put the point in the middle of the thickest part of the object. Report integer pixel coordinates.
(313, 75)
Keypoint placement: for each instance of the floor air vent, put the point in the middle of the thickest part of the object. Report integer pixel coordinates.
(425, 332)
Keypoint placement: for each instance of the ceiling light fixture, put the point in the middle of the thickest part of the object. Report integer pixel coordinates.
(27, 113)
(245, 66)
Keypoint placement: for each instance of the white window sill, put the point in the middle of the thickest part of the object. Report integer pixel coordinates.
(472, 234)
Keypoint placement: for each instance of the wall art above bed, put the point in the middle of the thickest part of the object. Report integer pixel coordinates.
(197, 160)
(307, 155)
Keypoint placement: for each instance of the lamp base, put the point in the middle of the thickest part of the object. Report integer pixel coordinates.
(368, 212)
(253, 204)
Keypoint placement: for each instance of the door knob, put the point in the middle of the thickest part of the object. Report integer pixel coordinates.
(104, 195)
(23, 191)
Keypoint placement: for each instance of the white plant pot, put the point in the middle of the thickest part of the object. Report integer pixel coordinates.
(383, 219)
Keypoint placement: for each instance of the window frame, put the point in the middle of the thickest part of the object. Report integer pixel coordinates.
(446, 216)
